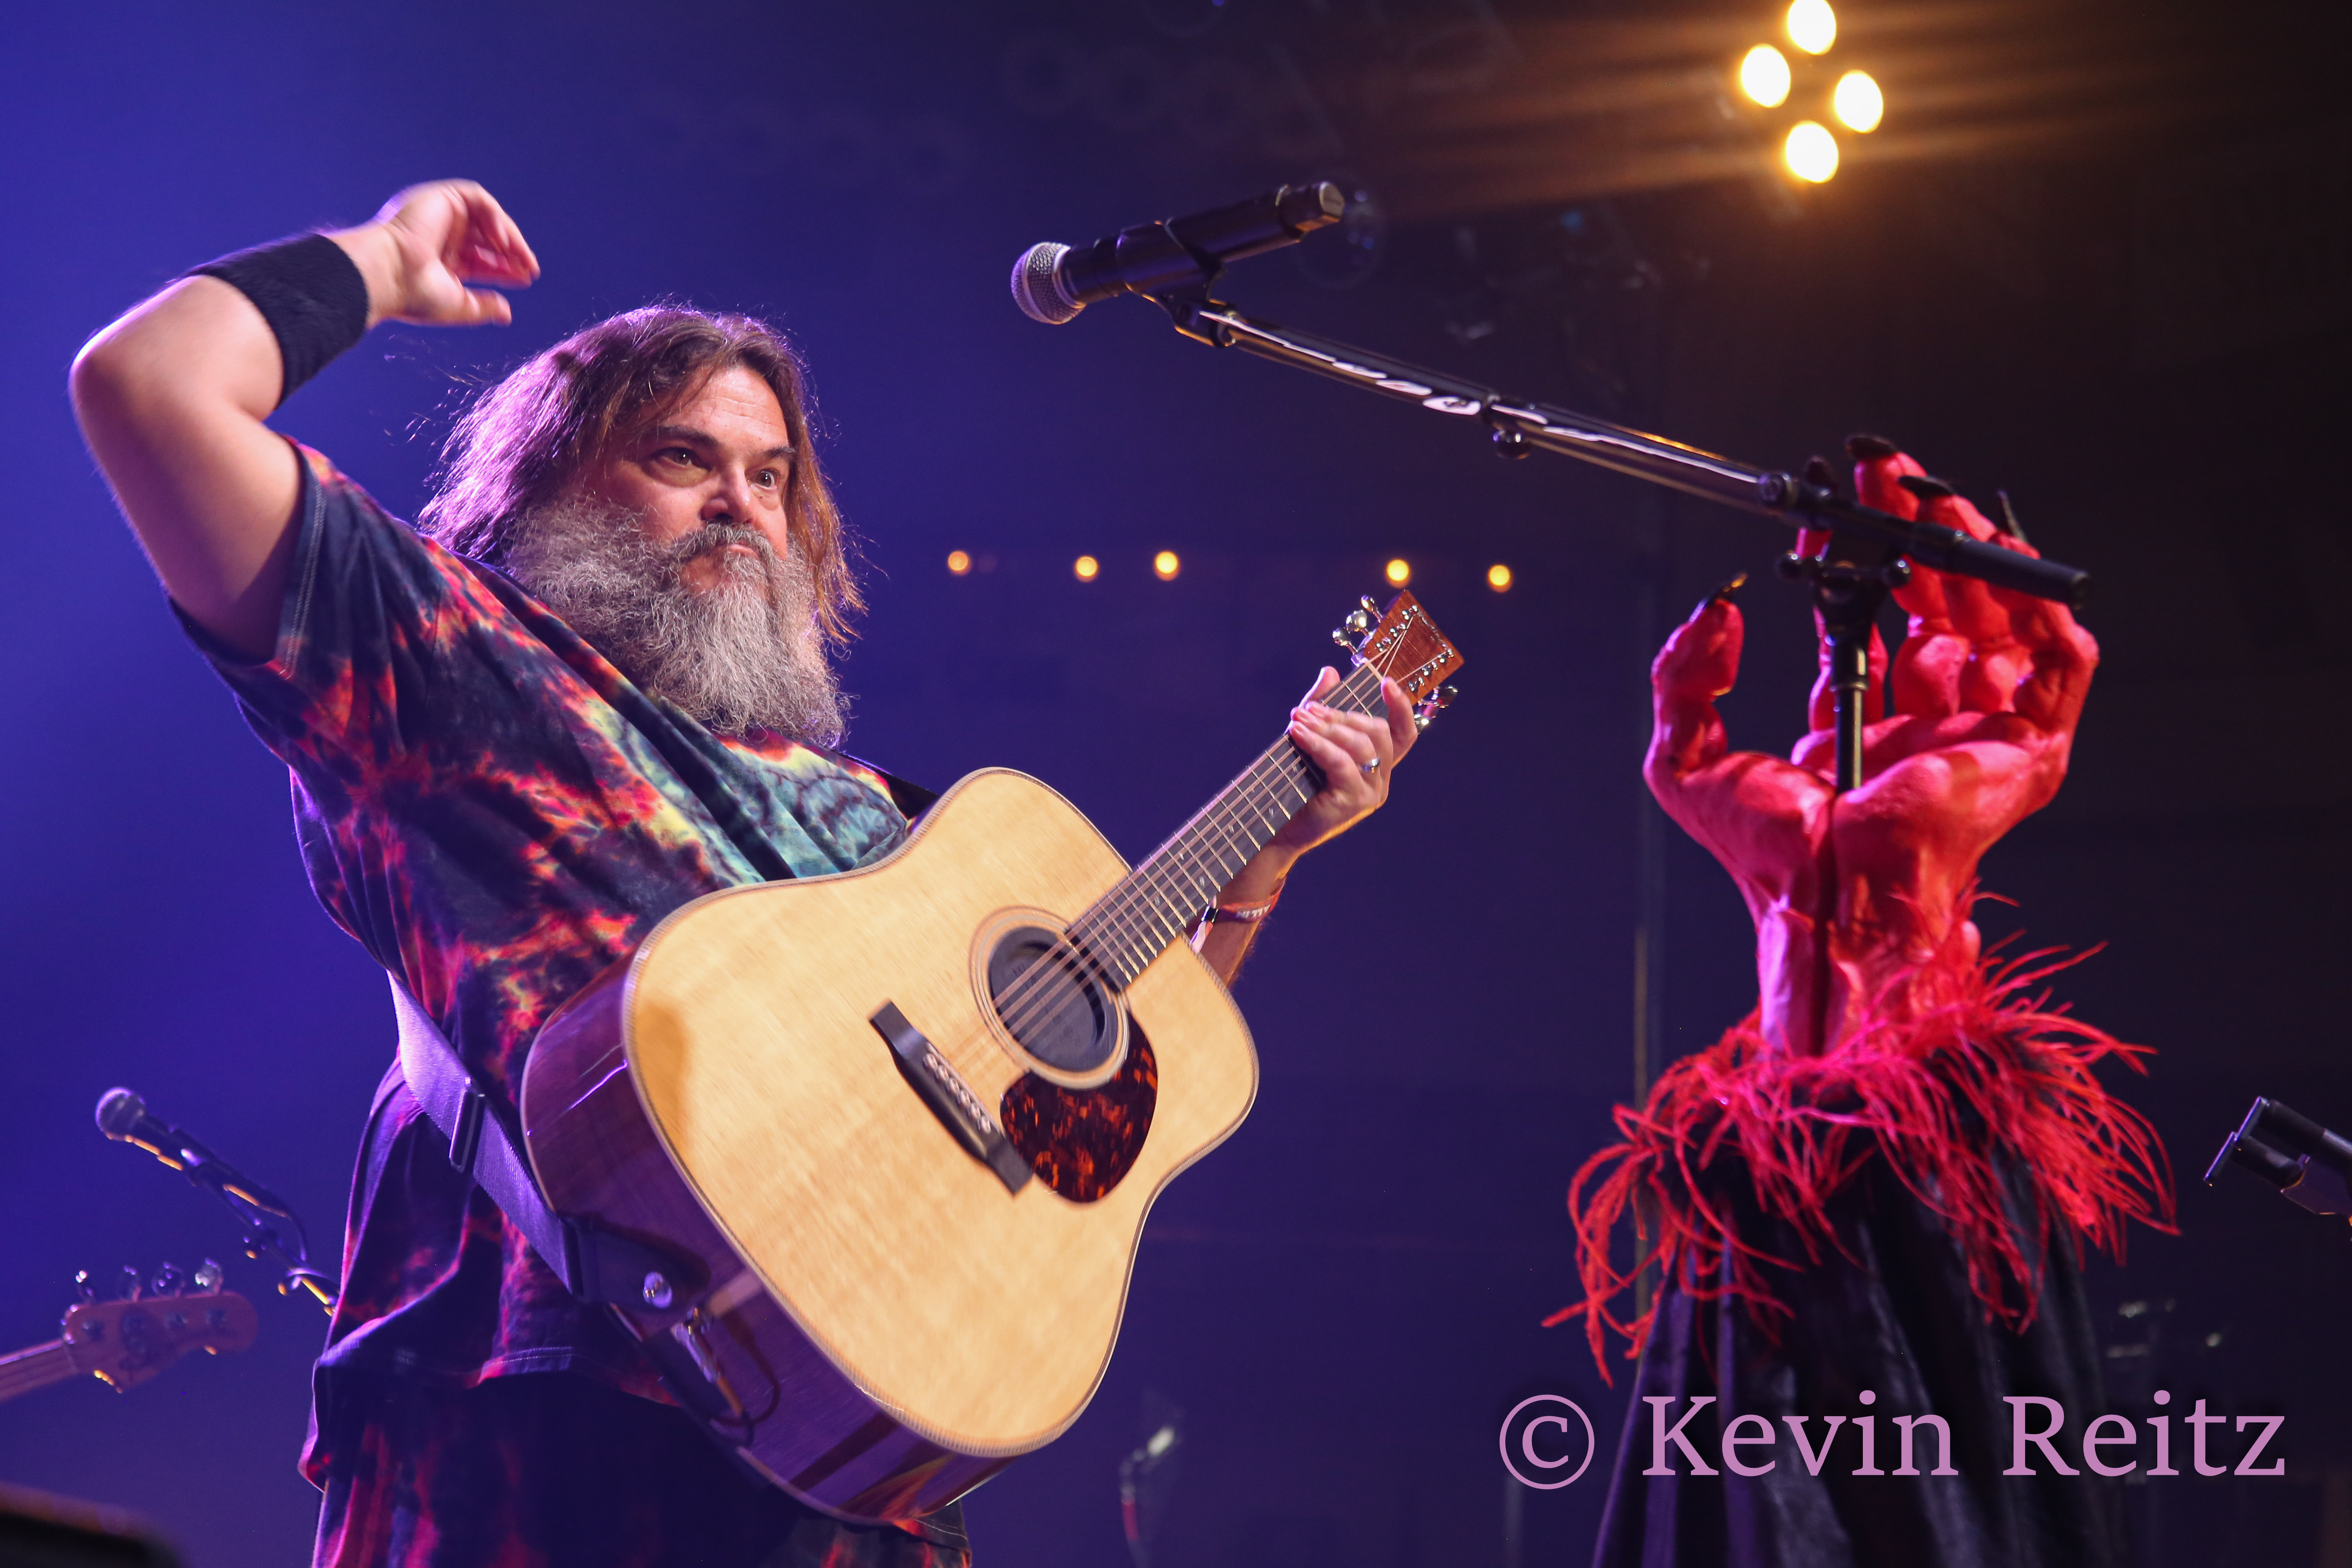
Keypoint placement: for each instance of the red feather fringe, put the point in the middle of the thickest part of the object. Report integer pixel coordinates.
(1982, 1068)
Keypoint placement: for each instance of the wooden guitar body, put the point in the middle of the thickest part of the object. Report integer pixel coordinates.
(887, 1318)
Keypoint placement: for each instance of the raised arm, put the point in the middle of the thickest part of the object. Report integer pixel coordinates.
(172, 396)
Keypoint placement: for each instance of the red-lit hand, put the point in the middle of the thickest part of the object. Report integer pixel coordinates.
(1851, 894)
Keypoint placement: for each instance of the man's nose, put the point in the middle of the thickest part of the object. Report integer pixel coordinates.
(729, 499)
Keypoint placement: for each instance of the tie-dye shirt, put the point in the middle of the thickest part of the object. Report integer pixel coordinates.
(496, 813)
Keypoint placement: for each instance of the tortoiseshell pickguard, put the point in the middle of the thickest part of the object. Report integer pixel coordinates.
(1083, 1141)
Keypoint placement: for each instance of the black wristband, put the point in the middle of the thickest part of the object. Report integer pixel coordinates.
(311, 294)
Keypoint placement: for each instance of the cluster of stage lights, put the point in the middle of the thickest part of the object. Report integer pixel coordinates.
(1167, 564)
(1766, 77)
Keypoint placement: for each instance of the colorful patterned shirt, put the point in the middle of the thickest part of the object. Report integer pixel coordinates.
(496, 813)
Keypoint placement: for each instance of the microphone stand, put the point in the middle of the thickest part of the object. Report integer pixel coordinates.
(1869, 551)
(262, 1239)
(255, 1208)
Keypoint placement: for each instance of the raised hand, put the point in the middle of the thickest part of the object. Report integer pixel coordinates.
(1854, 894)
(427, 244)
(175, 395)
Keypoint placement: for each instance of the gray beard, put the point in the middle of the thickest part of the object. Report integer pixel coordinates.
(743, 655)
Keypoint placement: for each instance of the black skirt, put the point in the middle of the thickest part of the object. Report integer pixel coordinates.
(1893, 1315)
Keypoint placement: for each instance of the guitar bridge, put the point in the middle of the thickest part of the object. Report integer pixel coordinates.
(937, 1083)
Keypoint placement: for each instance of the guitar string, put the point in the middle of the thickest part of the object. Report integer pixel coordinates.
(1124, 919)
(1136, 914)
(1127, 912)
(1139, 921)
(1047, 985)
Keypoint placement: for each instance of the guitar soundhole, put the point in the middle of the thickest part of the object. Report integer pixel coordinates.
(1050, 1002)
(1083, 1141)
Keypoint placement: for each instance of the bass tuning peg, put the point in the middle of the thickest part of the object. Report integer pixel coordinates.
(209, 1276)
(83, 1287)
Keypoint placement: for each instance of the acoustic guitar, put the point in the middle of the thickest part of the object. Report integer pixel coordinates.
(902, 1126)
(130, 1340)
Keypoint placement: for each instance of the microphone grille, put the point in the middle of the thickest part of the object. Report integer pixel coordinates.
(119, 1111)
(1037, 285)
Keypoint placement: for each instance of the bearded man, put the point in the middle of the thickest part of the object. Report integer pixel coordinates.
(592, 686)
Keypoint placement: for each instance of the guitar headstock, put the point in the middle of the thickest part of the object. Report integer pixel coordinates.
(1402, 643)
(132, 1339)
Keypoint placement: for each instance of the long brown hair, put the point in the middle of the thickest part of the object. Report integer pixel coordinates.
(524, 441)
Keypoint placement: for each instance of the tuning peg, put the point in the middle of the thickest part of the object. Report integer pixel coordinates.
(169, 1281)
(82, 1286)
(1370, 608)
(1339, 635)
(1428, 706)
(1359, 622)
(209, 1276)
(126, 1284)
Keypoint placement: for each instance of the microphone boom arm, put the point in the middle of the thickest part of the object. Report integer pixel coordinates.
(1521, 424)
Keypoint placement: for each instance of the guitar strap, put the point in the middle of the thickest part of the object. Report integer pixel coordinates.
(594, 1264)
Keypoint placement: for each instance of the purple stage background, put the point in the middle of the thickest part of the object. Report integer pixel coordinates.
(1344, 1302)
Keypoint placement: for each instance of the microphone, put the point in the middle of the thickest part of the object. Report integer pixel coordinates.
(1051, 283)
(124, 1116)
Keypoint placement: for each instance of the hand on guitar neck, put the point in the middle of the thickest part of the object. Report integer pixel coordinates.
(1355, 752)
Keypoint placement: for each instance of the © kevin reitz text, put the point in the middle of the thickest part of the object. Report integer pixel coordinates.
(2042, 1440)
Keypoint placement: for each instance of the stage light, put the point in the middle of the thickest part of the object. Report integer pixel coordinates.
(1086, 568)
(1498, 577)
(959, 562)
(1812, 26)
(1165, 565)
(1398, 573)
(1764, 76)
(1811, 151)
(1857, 102)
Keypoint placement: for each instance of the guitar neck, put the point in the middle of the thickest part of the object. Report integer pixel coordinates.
(1134, 922)
(35, 1368)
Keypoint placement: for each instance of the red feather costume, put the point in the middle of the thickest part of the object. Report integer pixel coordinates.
(1879, 1184)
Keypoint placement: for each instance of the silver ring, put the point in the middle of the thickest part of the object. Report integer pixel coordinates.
(1369, 769)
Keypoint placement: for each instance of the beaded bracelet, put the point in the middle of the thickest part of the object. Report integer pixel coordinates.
(1243, 914)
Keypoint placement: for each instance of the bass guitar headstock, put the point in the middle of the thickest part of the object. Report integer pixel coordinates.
(1402, 643)
(130, 1339)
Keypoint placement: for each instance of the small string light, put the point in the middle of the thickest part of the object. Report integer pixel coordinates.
(1498, 577)
(1398, 573)
(1165, 565)
(959, 562)
(1086, 568)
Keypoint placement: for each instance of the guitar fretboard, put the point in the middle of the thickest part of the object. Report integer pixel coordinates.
(36, 1368)
(1134, 922)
